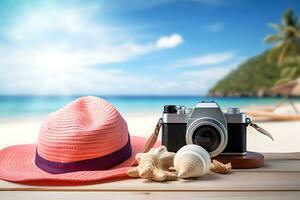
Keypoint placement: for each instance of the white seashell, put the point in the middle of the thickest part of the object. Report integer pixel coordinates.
(192, 161)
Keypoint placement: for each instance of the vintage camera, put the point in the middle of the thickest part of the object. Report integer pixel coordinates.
(205, 125)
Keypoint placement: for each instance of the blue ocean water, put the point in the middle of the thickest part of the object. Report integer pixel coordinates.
(36, 106)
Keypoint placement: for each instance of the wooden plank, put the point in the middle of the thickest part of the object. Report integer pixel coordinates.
(149, 195)
(237, 181)
(277, 166)
(282, 156)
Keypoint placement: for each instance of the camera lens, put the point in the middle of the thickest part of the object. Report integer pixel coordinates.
(208, 133)
(208, 137)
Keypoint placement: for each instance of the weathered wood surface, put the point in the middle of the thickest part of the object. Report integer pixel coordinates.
(237, 181)
(150, 195)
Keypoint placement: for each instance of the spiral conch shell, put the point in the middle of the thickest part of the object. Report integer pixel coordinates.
(154, 164)
(192, 161)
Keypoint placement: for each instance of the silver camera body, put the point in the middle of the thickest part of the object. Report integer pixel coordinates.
(205, 125)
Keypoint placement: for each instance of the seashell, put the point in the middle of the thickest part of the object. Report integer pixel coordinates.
(219, 167)
(154, 164)
(192, 161)
(166, 159)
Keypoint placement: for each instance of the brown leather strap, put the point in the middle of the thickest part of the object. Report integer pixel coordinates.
(153, 137)
(260, 129)
(151, 140)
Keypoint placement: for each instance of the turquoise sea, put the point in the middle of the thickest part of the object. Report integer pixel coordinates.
(38, 106)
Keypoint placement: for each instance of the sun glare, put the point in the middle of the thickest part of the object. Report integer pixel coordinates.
(53, 61)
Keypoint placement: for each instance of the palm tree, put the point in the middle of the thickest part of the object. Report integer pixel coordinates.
(287, 39)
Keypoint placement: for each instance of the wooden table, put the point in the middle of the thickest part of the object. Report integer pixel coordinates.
(279, 179)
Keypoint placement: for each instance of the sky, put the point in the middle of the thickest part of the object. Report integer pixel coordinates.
(129, 47)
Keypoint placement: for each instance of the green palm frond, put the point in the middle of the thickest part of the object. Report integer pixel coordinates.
(286, 40)
(272, 38)
(277, 27)
(288, 18)
(291, 31)
(286, 49)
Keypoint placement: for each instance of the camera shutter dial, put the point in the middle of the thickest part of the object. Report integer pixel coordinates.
(170, 109)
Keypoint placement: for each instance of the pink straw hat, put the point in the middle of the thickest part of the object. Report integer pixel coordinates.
(85, 141)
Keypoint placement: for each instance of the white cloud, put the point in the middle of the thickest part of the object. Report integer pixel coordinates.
(72, 81)
(198, 81)
(207, 59)
(169, 41)
(195, 81)
(64, 55)
(215, 27)
(168, 85)
(211, 73)
(58, 50)
(72, 31)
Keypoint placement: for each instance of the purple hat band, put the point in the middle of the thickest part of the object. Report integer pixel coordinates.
(101, 163)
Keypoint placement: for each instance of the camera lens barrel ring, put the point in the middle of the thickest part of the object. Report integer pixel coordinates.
(211, 122)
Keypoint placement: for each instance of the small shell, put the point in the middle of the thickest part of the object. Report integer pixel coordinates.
(220, 168)
(154, 164)
(192, 161)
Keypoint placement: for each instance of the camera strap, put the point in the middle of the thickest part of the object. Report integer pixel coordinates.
(259, 129)
(153, 137)
(151, 140)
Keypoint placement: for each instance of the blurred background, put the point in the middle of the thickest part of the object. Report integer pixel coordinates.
(141, 55)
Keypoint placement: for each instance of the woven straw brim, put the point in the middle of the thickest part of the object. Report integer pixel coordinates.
(17, 164)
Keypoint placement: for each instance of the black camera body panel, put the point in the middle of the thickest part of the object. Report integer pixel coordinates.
(237, 138)
(173, 136)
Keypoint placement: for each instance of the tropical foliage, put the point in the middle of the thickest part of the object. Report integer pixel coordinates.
(286, 51)
(255, 77)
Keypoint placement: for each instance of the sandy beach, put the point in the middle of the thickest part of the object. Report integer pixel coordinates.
(286, 134)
